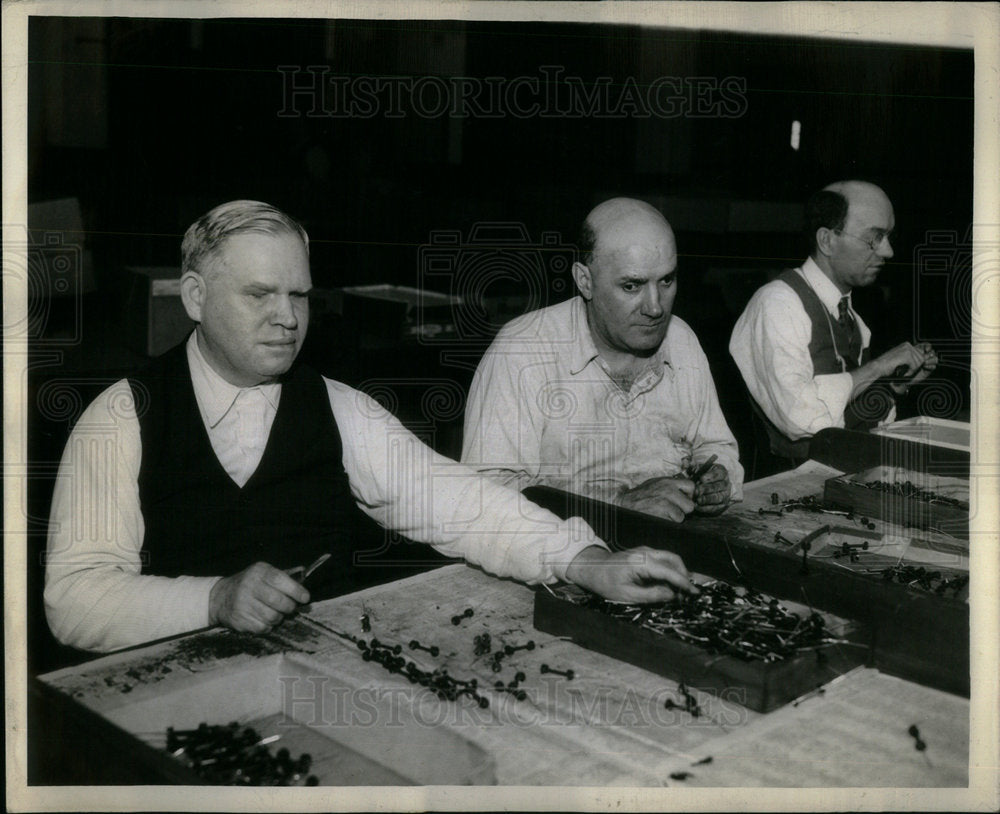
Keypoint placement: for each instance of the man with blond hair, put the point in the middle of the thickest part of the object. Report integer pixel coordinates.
(188, 491)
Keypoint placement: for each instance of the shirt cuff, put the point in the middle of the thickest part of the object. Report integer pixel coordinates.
(577, 535)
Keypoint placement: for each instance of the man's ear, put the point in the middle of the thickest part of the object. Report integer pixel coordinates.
(193, 294)
(584, 280)
(823, 238)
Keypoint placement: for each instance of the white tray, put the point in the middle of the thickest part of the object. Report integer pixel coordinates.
(939, 432)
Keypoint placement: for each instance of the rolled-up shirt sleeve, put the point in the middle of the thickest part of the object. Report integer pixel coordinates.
(96, 597)
(407, 487)
(770, 345)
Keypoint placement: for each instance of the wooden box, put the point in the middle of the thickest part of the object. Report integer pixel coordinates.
(850, 491)
(939, 432)
(758, 685)
(916, 634)
(355, 733)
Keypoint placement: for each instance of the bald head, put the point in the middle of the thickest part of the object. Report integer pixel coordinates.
(858, 191)
(850, 226)
(832, 206)
(615, 226)
(627, 277)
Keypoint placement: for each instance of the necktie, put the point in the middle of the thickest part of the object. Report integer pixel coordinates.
(844, 316)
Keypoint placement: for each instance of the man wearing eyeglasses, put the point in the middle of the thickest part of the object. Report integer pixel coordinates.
(608, 394)
(803, 350)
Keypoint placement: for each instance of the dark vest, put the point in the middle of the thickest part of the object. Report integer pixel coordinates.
(296, 505)
(828, 339)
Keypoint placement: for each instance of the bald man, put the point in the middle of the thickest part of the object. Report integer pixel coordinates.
(802, 349)
(225, 467)
(608, 394)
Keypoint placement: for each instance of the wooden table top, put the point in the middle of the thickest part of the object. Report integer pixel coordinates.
(606, 727)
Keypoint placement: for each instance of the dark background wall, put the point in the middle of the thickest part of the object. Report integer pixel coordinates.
(149, 123)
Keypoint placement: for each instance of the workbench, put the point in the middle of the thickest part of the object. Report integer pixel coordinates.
(608, 726)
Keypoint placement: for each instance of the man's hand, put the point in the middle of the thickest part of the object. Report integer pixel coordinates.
(911, 358)
(711, 493)
(639, 575)
(671, 498)
(929, 364)
(903, 355)
(912, 375)
(255, 599)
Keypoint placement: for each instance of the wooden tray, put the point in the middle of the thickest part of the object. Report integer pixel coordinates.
(355, 735)
(928, 430)
(758, 685)
(917, 635)
(850, 491)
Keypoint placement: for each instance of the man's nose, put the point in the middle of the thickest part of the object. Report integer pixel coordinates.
(284, 313)
(885, 248)
(651, 306)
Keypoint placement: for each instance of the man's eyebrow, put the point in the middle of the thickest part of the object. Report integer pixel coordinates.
(634, 278)
(264, 288)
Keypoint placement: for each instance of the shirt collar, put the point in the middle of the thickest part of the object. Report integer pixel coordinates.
(827, 292)
(584, 351)
(214, 394)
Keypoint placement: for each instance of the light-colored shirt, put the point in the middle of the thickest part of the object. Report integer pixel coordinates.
(544, 409)
(238, 419)
(96, 597)
(770, 345)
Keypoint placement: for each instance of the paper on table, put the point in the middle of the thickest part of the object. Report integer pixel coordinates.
(855, 734)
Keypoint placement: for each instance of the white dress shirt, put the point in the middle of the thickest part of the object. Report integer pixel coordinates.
(97, 599)
(770, 345)
(543, 409)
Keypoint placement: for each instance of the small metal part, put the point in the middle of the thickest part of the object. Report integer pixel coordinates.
(702, 470)
(511, 649)
(567, 673)
(415, 645)
(318, 562)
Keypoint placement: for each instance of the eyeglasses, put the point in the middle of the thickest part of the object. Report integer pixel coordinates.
(873, 242)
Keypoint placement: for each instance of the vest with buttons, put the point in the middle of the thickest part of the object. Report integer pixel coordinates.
(828, 340)
(296, 505)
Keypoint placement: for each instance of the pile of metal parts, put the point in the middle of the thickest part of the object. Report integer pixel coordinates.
(724, 619)
(232, 755)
